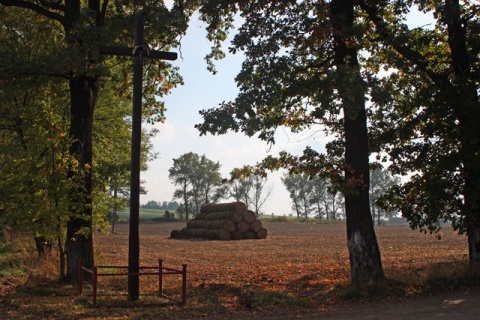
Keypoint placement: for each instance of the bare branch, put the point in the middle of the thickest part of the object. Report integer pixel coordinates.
(56, 5)
(34, 7)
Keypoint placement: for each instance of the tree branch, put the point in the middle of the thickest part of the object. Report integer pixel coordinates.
(34, 7)
(401, 47)
(103, 12)
(53, 5)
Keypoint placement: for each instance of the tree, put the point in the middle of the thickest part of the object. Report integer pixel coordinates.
(180, 173)
(302, 70)
(327, 200)
(428, 112)
(207, 180)
(151, 205)
(380, 181)
(198, 179)
(300, 190)
(250, 190)
(34, 137)
(81, 27)
(258, 195)
(35, 125)
(241, 189)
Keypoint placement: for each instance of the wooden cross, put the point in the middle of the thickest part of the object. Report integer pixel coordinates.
(140, 51)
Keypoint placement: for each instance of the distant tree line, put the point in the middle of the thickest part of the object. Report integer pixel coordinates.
(317, 196)
(172, 205)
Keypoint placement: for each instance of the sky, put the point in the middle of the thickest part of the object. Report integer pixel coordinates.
(177, 136)
(203, 90)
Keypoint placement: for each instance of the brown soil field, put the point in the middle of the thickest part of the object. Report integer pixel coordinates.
(300, 269)
(296, 263)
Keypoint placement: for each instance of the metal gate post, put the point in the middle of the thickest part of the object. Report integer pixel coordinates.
(184, 284)
(95, 279)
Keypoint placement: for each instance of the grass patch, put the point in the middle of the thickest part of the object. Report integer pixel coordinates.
(285, 219)
(12, 260)
(277, 298)
(386, 288)
(431, 279)
(145, 214)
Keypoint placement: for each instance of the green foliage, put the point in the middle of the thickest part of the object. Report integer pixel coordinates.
(426, 111)
(59, 163)
(380, 182)
(310, 194)
(301, 71)
(198, 179)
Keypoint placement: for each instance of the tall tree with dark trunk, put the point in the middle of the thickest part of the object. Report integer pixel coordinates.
(301, 71)
(431, 125)
(365, 262)
(84, 28)
(84, 88)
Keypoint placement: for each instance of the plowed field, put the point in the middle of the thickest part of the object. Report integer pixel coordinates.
(296, 264)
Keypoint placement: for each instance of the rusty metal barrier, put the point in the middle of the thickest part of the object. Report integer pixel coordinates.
(94, 271)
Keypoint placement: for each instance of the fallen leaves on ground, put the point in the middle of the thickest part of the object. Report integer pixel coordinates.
(298, 267)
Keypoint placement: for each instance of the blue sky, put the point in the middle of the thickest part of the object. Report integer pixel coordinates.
(202, 90)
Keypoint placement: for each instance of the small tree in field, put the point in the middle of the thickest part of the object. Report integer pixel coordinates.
(198, 180)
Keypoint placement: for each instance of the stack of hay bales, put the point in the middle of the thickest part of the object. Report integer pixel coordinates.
(223, 221)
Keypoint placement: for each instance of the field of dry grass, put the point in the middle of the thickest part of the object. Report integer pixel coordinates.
(298, 266)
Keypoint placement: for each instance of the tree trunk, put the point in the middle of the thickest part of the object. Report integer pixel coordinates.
(468, 113)
(474, 251)
(365, 261)
(79, 242)
(61, 261)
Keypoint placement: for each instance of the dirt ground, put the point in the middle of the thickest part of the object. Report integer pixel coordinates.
(464, 305)
(327, 259)
(296, 273)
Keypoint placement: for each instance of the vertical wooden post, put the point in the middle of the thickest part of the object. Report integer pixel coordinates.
(134, 240)
(160, 277)
(139, 52)
(95, 285)
(80, 278)
(184, 284)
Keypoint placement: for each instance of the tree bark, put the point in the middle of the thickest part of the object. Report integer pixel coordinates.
(468, 114)
(79, 242)
(364, 253)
